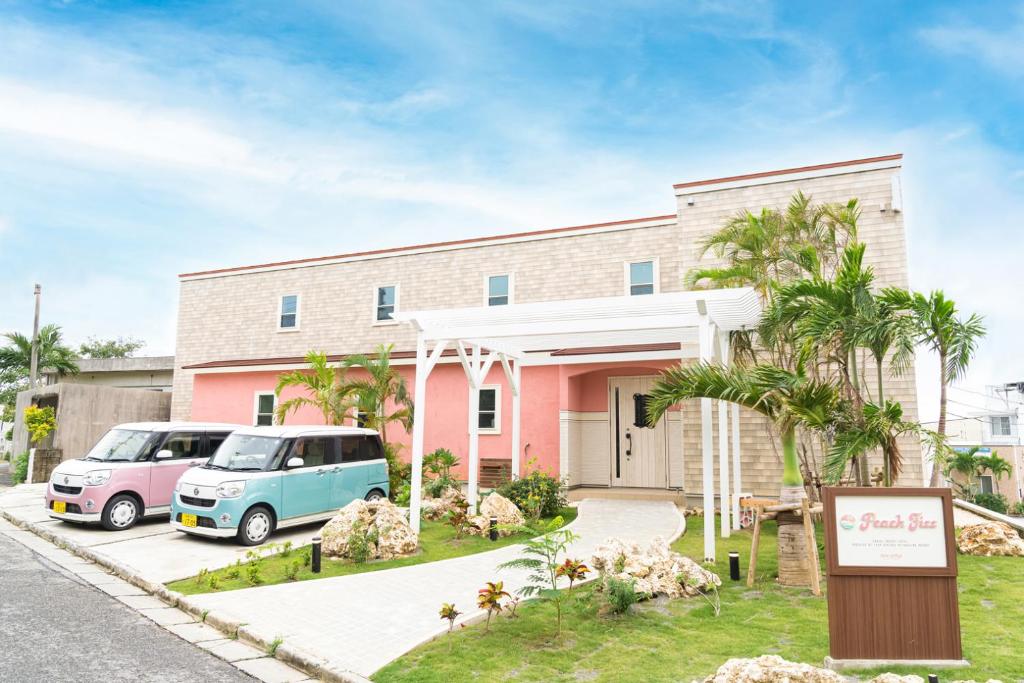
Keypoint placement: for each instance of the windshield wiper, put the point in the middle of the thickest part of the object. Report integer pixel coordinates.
(245, 469)
(211, 466)
(89, 457)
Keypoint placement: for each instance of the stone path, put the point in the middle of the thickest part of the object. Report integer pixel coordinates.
(360, 623)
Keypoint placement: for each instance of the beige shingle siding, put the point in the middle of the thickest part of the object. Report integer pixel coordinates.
(234, 316)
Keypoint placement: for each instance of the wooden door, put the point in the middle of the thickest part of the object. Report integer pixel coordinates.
(639, 454)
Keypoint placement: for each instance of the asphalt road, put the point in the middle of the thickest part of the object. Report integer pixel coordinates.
(56, 627)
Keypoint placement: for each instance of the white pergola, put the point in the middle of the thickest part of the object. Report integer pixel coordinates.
(525, 334)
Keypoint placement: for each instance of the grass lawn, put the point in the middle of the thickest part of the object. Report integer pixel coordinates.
(683, 640)
(437, 542)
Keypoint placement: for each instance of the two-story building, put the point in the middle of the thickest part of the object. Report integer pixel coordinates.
(240, 327)
(989, 419)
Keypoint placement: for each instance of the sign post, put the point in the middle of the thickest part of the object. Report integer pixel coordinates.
(891, 566)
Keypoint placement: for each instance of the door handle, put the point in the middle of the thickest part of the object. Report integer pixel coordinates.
(321, 473)
(629, 448)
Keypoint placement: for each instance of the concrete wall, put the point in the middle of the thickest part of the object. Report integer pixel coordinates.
(85, 412)
(145, 372)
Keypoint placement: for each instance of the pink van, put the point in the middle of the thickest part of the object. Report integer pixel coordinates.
(131, 472)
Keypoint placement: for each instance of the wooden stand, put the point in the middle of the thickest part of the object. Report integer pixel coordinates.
(769, 509)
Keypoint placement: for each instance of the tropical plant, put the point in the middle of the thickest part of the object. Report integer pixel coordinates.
(993, 501)
(324, 388)
(881, 427)
(621, 594)
(40, 422)
(1017, 509)
(574, 570)
(449, 612)
(538, 494)
(965, 463)
(439, 464)
(382, 397)
(540, 559)
(788, 399)
(939, 327)
(489, 598)
(53, 354)
(458, 517)
(997, 465)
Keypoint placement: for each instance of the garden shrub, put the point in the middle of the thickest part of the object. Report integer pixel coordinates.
(993, 501)
(399, 473)
(1017, 509)
(439, 464)
(19, 469)
(538, 494)
(621, 594)
(40, 422)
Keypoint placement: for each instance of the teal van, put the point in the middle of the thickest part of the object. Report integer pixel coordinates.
(266, 478)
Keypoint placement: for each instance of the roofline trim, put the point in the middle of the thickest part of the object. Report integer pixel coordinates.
(835, 167)
(549, 233)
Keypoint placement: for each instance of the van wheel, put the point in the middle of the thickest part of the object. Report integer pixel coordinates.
(256, 526)
(121, 512)
(375, 495)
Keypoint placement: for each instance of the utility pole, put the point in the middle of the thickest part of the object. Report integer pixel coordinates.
(34, 363)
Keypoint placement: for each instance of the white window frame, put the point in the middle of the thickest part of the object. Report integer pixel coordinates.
(256, 407)
(1011, 425)
(497, 411)
(373, 312)
(298, 312)
(991, 483)
(626, 275)
(511, 288)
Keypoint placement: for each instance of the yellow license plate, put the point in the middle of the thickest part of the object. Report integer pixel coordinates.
(60, 507)
(189, 520)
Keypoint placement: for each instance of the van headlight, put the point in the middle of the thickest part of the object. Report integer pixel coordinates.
(177, 486)
(97, 477)
(230, 489)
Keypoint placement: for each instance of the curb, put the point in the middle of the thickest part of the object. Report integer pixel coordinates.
(289, 654)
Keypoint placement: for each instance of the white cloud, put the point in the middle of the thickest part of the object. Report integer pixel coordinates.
(1001, 49)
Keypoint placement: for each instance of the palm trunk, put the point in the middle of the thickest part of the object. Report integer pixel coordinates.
(936, 478)
(863, 470)
(878, 370)
(794, 566)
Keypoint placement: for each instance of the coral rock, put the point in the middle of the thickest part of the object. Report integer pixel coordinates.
(436, 508)
(990, 538)
(381, 522)
(496, 505)
(655, 570)
(771, 669)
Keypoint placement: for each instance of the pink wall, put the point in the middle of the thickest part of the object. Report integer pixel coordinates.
(229, 397)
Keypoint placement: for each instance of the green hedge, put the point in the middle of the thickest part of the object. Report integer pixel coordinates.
(19, 469)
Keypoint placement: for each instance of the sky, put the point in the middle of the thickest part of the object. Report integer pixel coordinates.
(139, 140)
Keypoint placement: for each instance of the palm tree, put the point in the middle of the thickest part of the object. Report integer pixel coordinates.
(997, 465)
(942, 331)
(53, 354)
(881, 428)
(789, 400)
(965, 463)
(383, 391)
(325, 388)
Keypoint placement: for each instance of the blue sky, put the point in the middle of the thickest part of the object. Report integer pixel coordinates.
(140, 140)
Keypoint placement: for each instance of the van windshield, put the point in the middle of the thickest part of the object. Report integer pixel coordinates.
(244, 453)
(121, 445)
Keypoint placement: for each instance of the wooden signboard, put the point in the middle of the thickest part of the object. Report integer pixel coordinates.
(891, 565)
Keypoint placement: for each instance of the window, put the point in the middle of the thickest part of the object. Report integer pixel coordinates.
(641, 277)
(215, 439)
(266, 402)
(183, 445)
(1001, 425)
(489, 413)
(360, 419)
(360, 449)
(314, 451)
(289, 318)
(499, 290)
(385, 302)
(985, 482)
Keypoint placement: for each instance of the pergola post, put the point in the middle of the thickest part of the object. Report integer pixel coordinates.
(707, 460)
(514, 377)
(723, 443)
(420, 409)
(737, 484)
(474, 429)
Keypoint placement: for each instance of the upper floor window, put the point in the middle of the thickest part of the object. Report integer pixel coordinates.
(263, 411)
(289, 317)
(1002, 425)
(499, 290)
(642, 277)
(386, 303)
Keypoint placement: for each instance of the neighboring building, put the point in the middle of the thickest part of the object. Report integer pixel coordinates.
(145, 372)
(991, 419)
(240, 328)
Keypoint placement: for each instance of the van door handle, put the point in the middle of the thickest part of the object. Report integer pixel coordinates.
(321, 473)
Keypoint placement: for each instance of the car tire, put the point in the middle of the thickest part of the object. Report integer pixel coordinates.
(375, 495)
(256, 526)
(120, 513)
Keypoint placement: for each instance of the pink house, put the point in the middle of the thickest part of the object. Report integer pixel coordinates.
(517, 296)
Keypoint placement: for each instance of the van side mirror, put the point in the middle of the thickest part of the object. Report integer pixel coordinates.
(295, 462)
(164, 454)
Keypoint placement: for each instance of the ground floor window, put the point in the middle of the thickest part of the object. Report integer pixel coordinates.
(489, 414)
(985, 483)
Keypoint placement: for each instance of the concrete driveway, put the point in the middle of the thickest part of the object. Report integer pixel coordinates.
(152, 548)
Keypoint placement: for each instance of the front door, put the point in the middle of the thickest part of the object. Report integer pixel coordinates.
(639, 453)
(306, 490)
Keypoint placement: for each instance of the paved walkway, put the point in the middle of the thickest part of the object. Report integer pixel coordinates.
(360, 623)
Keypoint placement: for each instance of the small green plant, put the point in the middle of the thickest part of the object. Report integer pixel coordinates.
(620, 564)
(201, 576)
(40, 422)
(458, 517)
(234, 571)
(203, 616)
(253, 556)
(621, 594)
(538, 494)
(993, 501)
(286, 549)
(1017, 509)
(489, 598)
(540, 558)
(214, 582)
(291, 570)
(253, 574)
(513, 604)
(449, 612)
(19, 469)
(439, 464)
(360, 543)
(307, 556)
(711, 595)
(274, 644)
(574, 570)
